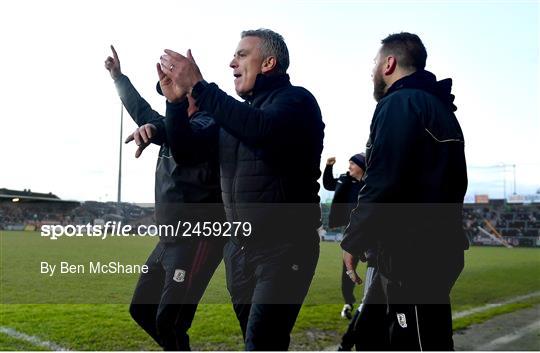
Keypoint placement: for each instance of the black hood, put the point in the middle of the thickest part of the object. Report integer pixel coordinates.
(427, 81)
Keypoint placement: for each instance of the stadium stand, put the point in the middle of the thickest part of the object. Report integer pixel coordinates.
(517, 224)
(27, 210)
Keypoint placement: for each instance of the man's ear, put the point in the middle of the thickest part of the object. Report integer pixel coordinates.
(268, 64)
(390, 65)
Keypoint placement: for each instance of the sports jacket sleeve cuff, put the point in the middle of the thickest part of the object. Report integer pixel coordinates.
(177, 109)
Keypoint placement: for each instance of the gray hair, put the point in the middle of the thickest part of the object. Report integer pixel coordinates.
(272, 44)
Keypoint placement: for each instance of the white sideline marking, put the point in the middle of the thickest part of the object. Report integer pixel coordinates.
(510, 337)
(479, 309)
(36, 341)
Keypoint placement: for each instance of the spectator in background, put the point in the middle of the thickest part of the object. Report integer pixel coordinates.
(346, 188)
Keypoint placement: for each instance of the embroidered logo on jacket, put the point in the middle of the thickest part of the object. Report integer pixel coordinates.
(179, 275)
(402, 320)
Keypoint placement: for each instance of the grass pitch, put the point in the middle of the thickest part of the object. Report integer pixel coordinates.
(90, 312)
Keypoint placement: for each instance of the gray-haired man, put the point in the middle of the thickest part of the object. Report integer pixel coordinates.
(270, 150)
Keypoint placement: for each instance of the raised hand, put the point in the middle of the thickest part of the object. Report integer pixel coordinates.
(182, 70)
(331, 161)
(113, 65)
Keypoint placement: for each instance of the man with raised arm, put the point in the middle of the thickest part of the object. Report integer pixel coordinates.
(186, 190)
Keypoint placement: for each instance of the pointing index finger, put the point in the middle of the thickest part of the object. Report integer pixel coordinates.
(114, 53)
(129, 138)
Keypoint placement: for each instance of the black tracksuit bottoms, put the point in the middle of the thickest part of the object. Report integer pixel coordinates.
(166, 298)
(267, 287)
(412, 315)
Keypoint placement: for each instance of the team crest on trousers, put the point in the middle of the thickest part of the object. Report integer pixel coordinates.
(402, 320)
(179, 275)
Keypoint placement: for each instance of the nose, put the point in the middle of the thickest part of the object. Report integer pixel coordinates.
(233, 64)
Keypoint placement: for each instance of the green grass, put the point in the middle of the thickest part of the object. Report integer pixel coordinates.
(90, 312)
(8, 343)
(492, 274)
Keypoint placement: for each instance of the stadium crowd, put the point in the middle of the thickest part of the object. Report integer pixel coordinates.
(518, 224)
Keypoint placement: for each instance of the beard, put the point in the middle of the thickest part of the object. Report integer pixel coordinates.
(379, 87)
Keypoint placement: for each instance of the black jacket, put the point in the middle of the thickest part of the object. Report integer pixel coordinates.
(269, 151)
(346, 190)
(186, 189)
(416, 178)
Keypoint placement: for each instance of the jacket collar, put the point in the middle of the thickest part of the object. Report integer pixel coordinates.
(265, 83)
(426, 81)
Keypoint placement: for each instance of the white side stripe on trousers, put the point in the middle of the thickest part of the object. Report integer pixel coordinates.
(418, 328)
